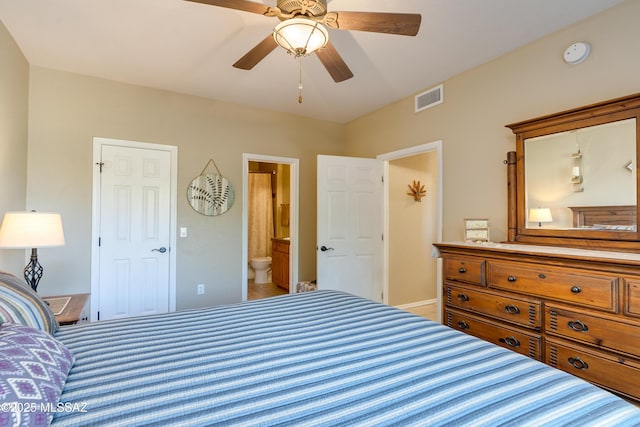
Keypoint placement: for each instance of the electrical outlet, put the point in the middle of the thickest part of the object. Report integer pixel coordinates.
(200, 288)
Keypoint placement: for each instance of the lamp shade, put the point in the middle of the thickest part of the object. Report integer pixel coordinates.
(31, 230)
(540, 215)
(300, 36)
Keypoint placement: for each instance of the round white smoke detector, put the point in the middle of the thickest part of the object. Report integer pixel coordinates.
(577, 52)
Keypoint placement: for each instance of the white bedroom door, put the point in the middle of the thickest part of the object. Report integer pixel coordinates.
(134, 242)
(349, 228)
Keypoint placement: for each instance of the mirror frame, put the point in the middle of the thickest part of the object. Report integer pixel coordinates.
(595, 114)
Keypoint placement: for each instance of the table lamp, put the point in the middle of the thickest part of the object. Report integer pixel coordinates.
(20, 230)
(540, 215)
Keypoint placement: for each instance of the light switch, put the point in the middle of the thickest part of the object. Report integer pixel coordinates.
(183, 232)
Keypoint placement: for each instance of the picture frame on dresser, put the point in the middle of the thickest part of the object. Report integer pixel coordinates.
(476, 229)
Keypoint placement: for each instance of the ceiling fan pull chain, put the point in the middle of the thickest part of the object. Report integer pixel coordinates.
(300, 83)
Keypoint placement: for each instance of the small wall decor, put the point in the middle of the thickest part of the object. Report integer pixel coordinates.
(417, 191)
(209, 193)
(476, 230)
(576, 169)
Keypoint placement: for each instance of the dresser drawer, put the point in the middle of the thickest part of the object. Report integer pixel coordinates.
(520, 341)
(632, 297)
(525, 312)
(571, 285)
(463, 269)
(612, 372)
(593, 329)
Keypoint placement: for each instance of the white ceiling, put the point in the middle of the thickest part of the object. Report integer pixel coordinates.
(189, 47)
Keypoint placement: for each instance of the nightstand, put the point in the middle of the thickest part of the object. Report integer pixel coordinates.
(69, 309)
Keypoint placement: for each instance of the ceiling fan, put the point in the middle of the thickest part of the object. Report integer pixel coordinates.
(302, 30)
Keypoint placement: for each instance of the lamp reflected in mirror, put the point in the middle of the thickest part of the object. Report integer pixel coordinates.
(540, 215)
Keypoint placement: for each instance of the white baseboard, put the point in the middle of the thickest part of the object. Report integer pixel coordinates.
(417, 304)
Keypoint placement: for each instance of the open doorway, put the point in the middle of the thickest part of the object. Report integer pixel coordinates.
(412, 274)
(269, 226)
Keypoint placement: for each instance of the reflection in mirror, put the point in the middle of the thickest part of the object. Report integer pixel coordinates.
(568, 172)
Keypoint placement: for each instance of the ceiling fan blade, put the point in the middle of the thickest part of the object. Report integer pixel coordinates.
(405, 24)
(247, 6)
(334, 63)
(257, 54)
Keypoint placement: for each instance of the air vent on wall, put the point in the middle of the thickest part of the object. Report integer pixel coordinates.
(429, 98)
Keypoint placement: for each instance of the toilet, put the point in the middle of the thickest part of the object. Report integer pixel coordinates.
(261, 266)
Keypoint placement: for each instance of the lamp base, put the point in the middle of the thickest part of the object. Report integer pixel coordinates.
(33, 271)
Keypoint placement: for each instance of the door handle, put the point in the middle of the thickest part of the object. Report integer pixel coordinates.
(161, 250)
(323, 248)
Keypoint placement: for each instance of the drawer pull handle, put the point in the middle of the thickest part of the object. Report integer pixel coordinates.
(511, 278)
(577, 325)
(578, 363)
(462, 270)
(463, 297)
(512, 309)
(510, 341)
(463, 325)
(576, 289)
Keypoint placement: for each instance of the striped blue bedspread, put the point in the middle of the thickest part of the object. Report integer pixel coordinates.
(320, 358)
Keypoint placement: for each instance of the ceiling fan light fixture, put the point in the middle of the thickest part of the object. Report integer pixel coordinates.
(301, 36)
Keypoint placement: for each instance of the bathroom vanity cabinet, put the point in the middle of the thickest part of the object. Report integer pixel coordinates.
(280, 262)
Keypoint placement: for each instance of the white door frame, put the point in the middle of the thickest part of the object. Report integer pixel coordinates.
(95, 216)
(294, 165)
(386, 158)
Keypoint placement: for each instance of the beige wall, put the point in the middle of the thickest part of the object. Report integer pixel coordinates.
(68, 110)
(412, 229)
(529, 82)
(14, 93)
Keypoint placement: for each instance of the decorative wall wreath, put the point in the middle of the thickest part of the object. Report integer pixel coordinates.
(210, 194)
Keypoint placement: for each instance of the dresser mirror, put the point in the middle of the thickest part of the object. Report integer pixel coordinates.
(576, 180)
(587, 167)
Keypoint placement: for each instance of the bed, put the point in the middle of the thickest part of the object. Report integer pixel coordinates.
(321, 358)
(621, 218)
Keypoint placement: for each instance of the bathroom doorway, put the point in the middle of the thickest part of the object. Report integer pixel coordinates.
(269, 226)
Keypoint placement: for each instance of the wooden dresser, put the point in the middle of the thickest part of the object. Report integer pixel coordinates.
(577, 310)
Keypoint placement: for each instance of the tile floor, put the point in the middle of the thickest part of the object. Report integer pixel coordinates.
(263, 291)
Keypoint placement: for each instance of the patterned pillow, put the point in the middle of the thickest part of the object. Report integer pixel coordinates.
(20, 304)
(33, 369)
